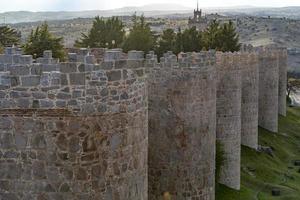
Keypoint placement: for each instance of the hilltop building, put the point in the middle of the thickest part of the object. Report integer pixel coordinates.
(198, 21)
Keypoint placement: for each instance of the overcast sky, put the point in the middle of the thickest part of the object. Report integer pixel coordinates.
(68, 5)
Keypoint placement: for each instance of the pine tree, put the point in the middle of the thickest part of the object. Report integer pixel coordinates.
(221, 37)
(8, 36)
(40, 40)
(191, 40)
(140, 36)
(178, 42)
(104, 33)
(229, 38)
(212, 36)
(166, 42)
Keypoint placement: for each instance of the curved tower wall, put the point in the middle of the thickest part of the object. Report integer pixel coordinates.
(73, 130)
(228, 128)
(268, 89)
(282, 62)
(182, 103)
(249, 109)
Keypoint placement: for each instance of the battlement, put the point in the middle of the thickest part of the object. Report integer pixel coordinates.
(87, 120)
(110, 86)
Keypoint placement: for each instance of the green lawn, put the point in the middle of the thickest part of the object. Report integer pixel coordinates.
(261, 172)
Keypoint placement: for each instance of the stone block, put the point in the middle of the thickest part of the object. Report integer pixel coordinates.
(26, 59)
(30, 81)
(133, 55)
(19, 70)
(23, 103)
(112, 55)
(38, 170)
(89, 59)
(50, 67)
(46, 103)
(47, 54)
(114, 75)
(77, 78)
(9, 50)
(68, 67)
(5, 79)
(72, 57)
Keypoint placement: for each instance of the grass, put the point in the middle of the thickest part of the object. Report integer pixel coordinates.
(260, 172)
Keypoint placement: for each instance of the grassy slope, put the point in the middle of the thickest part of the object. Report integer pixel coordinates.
(267, 172)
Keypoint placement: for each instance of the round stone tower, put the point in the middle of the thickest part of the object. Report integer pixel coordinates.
(268, 89)
(249, 109)
(282, 62)
(73, 130)
(228, 128)
(182, 103)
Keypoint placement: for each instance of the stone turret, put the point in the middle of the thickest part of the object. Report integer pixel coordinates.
(268, 89)
(182, 106)
(282, 62)
(249, 109)
(228, 113)
(75, 130)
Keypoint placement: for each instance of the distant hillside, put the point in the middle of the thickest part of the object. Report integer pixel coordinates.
(148, 10)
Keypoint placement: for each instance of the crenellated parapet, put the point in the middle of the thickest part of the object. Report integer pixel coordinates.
(113, 125)
(85, 88)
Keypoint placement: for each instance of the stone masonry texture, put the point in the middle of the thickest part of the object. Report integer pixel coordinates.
(249, 107)
(268, 89)
(182, 104)
(282, 62)
(78, 130)
(228, 128)
(77, 133)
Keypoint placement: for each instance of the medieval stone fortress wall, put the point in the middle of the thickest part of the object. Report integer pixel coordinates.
(133, 128)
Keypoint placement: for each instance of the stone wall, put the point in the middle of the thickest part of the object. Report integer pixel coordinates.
(268, 89)
(79, 129)
(282, 62)
(228, 115)
(249, 109)
(73, 130)
(182, 103)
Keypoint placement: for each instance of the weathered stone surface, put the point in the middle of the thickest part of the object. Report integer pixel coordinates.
(68, 67)
(30, 80)
(228, 130)
(114, 75)
(182, 132)
(77, 78)
(268, 90)
(80, 130)
(249, 107)
(38, 170)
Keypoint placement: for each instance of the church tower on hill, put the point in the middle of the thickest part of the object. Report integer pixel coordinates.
(198, 21)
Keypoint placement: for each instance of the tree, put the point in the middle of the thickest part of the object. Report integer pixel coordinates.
(191, 40)
(221, 37)
(166, 42)
(229, 38)
(140, 36)
(178, 42)
(40, 40)
(8, 36)
(212, 36)
(104, 33)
